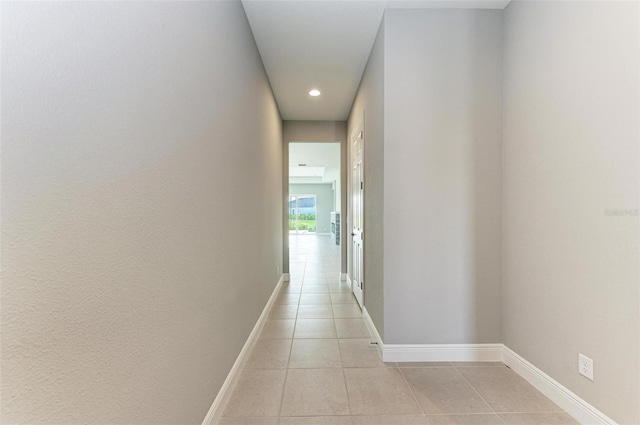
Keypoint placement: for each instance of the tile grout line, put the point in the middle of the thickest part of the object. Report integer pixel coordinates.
(462, 414)
(330, 305)
(284, 384)
(286, 371)
(344, 376)
(548, 412)
(478, 392)
(411, 390)
(346, 389)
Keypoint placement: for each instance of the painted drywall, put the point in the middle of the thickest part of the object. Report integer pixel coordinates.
(571, 131)
(442, 176)
(311, 131)
(324, 203)
(369, 105)
(141, 221)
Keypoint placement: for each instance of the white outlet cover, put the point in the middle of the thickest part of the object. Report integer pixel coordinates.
(585, 366)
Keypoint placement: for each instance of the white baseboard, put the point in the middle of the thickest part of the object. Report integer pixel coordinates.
(433, 352)
(349, 282)
(442, 352)
(582, 411)
(575, 406)
(343, 276)
(215, 411)
(372, 330)
(286, 277)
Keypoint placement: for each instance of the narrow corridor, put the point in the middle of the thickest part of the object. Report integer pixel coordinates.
(314, 364)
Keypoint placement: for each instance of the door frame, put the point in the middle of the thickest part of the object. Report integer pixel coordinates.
(315, 132)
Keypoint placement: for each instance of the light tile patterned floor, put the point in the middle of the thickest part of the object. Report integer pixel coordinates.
(314, 365)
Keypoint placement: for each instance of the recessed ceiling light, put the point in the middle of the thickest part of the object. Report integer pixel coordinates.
(314, 92)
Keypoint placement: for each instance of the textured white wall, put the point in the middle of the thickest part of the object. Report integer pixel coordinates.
(141, 225)
(442, 176)
(571, 152)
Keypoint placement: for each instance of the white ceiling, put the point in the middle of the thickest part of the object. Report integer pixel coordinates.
(321, 160)
(324, 44)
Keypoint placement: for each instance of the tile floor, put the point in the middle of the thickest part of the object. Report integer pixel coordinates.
(314, 365)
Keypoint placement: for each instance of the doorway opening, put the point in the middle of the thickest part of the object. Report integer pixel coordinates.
(314, 211)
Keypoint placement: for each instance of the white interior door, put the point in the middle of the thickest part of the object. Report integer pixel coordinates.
(357, 197)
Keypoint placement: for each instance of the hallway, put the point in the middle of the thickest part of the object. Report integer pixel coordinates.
(314, 365)
(147, 203)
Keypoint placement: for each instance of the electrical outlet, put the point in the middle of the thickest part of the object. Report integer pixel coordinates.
(585, 366)
(278, 270)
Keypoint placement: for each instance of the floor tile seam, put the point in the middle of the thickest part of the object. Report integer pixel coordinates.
(342, 363)
(421, 367)
(541, 412)
(471, 366)
(468, 414)
(315, 338)
(306, 416)
(368, 367)
(265, 368)
(276, 339)
(315, 368)
(346, 387)
(350, 337)
(286, 373)
(284, 385)
(290, 348)
(315, 318)
(476, 391)
(335, 327)
(389, 414)
(360, 416)
(311, 337)
(296, 318)
(462, 414)
(500, 419)
(411, 390)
